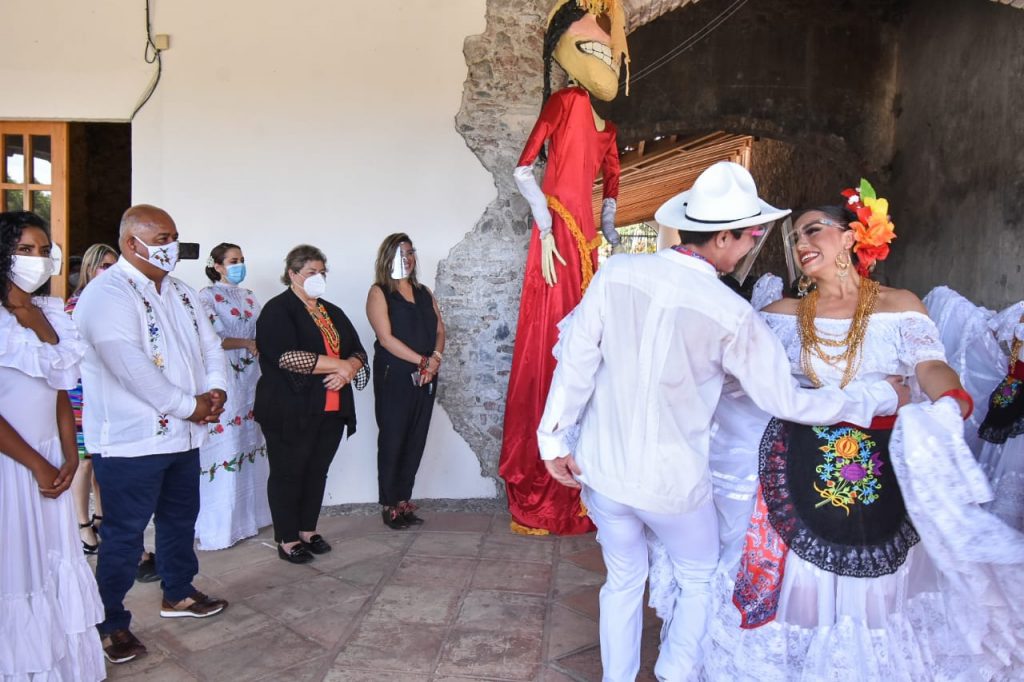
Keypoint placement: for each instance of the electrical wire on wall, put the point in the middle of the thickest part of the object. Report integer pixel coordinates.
(151, 55)
(698, 36)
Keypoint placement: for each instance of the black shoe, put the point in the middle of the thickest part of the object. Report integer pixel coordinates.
(86, 547)
(146, 573)
(316, 545)
(296, 555)
(411, 519)
(392, 519)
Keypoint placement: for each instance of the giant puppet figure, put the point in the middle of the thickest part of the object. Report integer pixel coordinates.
(588, 40)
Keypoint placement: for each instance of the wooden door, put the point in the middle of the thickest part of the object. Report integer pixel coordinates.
(34, 177)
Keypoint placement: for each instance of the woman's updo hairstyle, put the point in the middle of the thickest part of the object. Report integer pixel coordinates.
(217, 256)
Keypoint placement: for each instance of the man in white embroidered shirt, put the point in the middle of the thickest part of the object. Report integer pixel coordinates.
(155, 377)
(642, 361)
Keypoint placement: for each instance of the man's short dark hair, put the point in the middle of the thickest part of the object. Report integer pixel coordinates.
(701, 238)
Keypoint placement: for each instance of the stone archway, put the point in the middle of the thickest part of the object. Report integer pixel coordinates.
(480, 281)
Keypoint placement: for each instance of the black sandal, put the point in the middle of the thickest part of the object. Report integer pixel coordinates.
(86, 547)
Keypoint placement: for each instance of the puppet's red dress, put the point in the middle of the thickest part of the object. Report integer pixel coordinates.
(576, 153)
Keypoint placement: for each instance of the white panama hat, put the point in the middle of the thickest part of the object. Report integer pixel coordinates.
(724, 197)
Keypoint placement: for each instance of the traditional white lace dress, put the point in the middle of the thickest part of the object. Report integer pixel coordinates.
(233, 461)
(978, 343)
(49, 604)
(907, 625)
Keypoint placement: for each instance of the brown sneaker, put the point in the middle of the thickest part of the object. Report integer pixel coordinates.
(121, 646)
(196, 605)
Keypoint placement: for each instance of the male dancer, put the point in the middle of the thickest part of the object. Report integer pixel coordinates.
(641, 367)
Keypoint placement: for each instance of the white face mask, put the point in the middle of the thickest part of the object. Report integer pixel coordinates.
(164, 257)
(315, 286)
(28, 273)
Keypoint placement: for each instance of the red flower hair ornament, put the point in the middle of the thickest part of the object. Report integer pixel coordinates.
(872, 230)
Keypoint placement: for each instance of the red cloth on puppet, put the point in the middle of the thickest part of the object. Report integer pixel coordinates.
(576, 153)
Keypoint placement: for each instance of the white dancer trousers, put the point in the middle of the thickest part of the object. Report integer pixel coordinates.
(692, 543)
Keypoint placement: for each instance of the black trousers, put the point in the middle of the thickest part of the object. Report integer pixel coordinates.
(403, 418)
(300, 454)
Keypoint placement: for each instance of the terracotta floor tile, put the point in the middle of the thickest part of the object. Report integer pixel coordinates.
(584, 601)
(158, 658)
(552, 675)
(571, 578)
(328, 627)
(427, 571)
(390, 646)
(260, 654)
(589, 559)
(334, 675)
(513, 576)
(455, 522)
(247, 552)
(188, 635)
(293, 601)
(568, 632)
(415, 604)
(494, 654)
(447, 545)
(492, 611)
(166, 671)
(510, 547)
(247, 580)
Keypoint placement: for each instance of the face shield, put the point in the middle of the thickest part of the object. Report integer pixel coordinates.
(760, 234)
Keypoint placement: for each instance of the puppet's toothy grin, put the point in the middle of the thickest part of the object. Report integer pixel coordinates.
(599, 50)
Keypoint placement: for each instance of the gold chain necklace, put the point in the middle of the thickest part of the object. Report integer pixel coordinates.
(326, 327)
(812, 344)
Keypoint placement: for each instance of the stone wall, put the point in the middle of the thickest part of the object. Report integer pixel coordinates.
(958, 174)
(480, 281)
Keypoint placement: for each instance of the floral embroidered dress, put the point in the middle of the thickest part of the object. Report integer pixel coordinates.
(874, 538)
(49, 604)
(233, 461)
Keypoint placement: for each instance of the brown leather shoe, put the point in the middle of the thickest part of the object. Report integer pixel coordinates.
(121, 646)
(196, 605)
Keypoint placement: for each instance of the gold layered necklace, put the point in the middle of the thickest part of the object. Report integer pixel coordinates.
(811, 344)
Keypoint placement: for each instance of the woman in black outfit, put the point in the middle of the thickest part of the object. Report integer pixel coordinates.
(304, 416)
(407, 354)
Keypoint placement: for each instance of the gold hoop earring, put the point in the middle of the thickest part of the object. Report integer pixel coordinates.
(843, 265)
(803, 286)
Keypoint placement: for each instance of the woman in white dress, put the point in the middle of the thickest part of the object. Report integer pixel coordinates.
(49, 604)
(234, 469)
(984, 347)
(864, 543)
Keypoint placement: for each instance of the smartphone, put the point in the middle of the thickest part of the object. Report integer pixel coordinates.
(188, 250)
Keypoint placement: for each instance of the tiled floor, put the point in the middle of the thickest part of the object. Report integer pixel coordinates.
(461, 598)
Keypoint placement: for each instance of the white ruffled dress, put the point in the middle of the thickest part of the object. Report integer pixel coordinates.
(978, 343)
(908, 626)
(49, 603)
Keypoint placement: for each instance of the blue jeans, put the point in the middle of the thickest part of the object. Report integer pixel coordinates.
(165, 487)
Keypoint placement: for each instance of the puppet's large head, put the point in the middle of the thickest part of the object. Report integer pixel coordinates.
(588, 39)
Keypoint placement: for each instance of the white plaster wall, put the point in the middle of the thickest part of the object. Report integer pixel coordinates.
(325, 122)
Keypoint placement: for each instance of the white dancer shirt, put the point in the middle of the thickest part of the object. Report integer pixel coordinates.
(150, 354)
(642, 361)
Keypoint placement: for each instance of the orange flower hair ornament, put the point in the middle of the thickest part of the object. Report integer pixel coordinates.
(872, 230)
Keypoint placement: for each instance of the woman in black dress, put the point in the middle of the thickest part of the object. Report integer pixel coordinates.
(310, 356)
(407, 355)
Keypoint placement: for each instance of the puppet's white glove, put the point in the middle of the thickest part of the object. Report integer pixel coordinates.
(548, 254)
(608, 207)
(528, 187)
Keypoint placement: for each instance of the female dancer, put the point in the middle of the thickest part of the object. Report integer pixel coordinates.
(865, 541)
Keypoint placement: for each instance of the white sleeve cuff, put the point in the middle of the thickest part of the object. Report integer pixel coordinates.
(885, 396)
(551, 446)
(186, 406)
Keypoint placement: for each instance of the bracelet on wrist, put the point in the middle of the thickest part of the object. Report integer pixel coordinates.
(437, 354)
(423, 362)
(961, 394)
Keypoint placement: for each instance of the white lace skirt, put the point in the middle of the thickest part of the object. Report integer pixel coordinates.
(843, 629)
